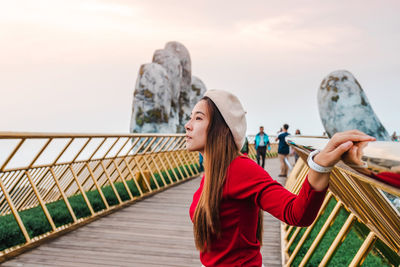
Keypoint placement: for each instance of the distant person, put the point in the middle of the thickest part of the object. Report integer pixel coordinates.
(245, 148)
(296, 156)
(394, 137)
(283, 150)
(261, 143)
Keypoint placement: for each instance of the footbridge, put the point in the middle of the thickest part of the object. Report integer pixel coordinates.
(123, 200)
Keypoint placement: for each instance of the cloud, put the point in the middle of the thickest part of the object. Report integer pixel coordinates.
(294, 32)
(74, 16)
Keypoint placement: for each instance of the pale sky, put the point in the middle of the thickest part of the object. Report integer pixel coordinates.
(71, 66)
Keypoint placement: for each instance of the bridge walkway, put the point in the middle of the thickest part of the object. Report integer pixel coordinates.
(156, 231)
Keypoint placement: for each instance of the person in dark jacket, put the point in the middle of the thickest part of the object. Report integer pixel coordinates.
(283, 150)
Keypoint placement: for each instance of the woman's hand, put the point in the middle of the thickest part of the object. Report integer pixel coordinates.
(347, 146)
(344, 145)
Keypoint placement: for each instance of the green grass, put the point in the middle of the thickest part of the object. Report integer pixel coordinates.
(36, 222)
(380, 255)
(328, 238)
(314, 232)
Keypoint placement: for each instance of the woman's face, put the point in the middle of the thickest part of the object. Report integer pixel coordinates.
(196, 127)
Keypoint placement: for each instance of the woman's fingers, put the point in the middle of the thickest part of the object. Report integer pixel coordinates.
(361, 147)
(353, 136)
(352, 153)
(342, 148)
(353, 156)
(348, 145)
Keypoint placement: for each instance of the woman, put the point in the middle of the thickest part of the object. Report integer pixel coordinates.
(226, 209)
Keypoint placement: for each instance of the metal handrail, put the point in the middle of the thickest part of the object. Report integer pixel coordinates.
(360, 195)
(96, 161)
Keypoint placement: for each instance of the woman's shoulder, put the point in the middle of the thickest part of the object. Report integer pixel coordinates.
(244, 176)
(244, 164)
(242, 159)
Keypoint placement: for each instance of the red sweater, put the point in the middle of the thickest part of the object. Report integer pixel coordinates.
(248, 187)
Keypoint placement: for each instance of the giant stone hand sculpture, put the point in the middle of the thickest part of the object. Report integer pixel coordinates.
(165, 92)
(343, 106)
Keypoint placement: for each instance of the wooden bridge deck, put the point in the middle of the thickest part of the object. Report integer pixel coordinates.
(154, 232)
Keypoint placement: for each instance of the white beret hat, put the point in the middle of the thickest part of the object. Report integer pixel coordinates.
(233, 113)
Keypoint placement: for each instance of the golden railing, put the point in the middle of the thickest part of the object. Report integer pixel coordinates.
(103, 171)
(367, 209)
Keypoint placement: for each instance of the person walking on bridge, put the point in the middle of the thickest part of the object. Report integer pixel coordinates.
(226, 210)
(261, 143)
(296, 156)
(283, 150)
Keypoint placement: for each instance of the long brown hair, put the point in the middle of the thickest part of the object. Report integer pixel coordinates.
(220, 150)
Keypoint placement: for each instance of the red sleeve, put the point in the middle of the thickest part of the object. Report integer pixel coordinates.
(247, 180)
(389, 178)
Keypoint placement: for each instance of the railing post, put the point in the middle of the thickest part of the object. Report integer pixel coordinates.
(165, 169)
(63, 195)
(123, 180)
(83, 193)
(322, 232)
(151, 173)
(338, 239)
(142, 173)
(170, 165)
(111, 182)
(46, 212)
(308, 231)
(158, 169)
(364, 250)
(133, 177)
(292, 238)
(97, 186)
(184, 161)
(15, 212)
